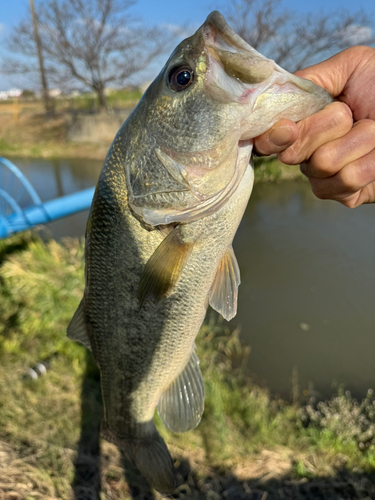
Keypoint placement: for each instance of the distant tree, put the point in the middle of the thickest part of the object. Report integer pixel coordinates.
(28, 94)
(295, 41)
(94, 42)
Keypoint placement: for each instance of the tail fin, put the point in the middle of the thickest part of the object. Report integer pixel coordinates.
(150, 454)
(155, 463)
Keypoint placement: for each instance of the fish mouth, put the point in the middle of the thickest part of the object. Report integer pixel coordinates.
(222, 30)
(239, 58)
(239, 72)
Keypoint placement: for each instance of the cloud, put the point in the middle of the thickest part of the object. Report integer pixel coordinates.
(354, 35)
(2, 28)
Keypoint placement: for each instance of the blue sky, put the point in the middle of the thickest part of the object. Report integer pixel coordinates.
(192, 12)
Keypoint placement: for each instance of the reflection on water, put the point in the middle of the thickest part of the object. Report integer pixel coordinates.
(308, 289)
(308, 279)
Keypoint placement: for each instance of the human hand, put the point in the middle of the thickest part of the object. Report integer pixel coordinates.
(336, 155)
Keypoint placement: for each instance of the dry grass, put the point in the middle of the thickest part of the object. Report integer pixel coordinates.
(34, 136)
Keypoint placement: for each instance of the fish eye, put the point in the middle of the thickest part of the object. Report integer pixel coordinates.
(181, 78)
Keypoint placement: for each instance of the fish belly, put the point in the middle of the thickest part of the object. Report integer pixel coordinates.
(141, 351)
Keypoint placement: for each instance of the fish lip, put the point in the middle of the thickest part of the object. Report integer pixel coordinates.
(216, 21)
(215, 27)
(237, 58)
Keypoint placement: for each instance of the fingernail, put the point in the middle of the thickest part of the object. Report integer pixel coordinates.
(280, 136)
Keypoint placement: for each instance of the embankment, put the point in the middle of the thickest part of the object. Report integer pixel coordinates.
(86, 136)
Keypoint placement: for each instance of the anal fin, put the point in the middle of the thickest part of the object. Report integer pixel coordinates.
(164, 267)
(224, 290)
(181, 405)
(77, 329)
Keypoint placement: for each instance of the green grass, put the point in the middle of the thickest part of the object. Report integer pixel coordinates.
(124, 97)
(119, 99)
(270, 169)
(6, 147)
(40, 420)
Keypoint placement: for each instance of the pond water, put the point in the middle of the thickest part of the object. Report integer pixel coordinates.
(307, 298)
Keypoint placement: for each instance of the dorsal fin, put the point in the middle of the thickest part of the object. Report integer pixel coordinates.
(164, 267)
(181, 405)
(224, 290)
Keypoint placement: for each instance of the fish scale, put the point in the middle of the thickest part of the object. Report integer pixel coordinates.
(178, 317)
(172, 192)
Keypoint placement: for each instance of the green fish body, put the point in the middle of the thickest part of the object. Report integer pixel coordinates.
(172, 192)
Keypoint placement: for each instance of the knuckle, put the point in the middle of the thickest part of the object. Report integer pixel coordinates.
(348, 182)
(349, 202)
(370, 126)
(341, 116)
(322, 160)
(319, 189)
(290, 156)
(262, 146)
(320, 193)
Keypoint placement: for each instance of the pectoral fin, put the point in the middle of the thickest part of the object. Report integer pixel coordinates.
(181, 405)
(77, 329)
(224, 290)
(164, 267)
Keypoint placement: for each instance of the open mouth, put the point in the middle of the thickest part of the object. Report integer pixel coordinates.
(237, 57)
(217, 32)
(242, 62)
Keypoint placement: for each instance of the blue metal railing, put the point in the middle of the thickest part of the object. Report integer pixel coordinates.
(21, 207)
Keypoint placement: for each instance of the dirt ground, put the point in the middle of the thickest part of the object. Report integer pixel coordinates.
(106, 474)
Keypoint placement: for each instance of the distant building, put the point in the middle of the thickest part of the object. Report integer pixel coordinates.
(54, 93)
(6, 94)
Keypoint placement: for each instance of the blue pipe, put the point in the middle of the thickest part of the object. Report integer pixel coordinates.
(17, 173)
(46, 212)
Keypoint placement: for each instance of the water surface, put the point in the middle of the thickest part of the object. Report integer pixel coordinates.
(307, 298)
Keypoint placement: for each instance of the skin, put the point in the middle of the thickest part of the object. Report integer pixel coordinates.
(336, 146)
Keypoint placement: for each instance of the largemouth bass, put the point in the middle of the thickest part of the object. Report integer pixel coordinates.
(173, 189)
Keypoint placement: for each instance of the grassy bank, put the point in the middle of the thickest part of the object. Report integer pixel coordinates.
(32, 136)
(249, 445)
(29, 134)
(116, 100)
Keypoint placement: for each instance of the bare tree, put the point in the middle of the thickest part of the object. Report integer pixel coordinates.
(38, 46)
(292, 40)
(95, 43)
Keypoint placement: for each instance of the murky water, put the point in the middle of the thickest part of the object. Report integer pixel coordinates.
(307, 298)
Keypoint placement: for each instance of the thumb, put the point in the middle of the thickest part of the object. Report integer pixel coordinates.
(334, 73)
